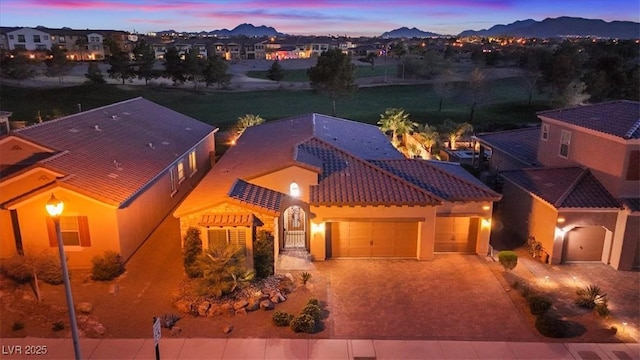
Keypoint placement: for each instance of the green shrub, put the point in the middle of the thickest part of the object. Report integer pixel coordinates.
(18, 268)
(508, 259)
(551, 326)
(17, 325)
(192, 249)
(303, 323)
(281, 318)
(107, 267)
(538, 304)
(48, 269)
(313, 301)
(57, 326)
(223, 271)
(590, 296)
(263, 254)
(305, 276)
(602, 308)
(312, 310)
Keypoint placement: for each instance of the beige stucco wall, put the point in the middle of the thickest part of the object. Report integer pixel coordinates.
(605, 156)
(102, 225)
(281, 180)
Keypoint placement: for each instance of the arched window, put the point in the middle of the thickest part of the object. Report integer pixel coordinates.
(294, 190)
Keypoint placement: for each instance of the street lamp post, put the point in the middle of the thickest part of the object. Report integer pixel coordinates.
(54, 208)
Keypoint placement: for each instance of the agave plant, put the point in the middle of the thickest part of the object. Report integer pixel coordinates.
(590, 296)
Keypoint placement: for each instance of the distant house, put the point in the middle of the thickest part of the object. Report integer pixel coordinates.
(119, 169)
(335, 188)
(583, 193)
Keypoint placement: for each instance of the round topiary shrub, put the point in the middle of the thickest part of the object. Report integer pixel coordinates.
(281, 318)
(508, 259)
(303, 323)
(49, 270)
(313, 301)
(538, 304)
(107, 267)
(18, 269)
(312, 310)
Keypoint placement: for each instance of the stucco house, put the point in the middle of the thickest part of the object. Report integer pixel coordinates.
(119, 169)
(580, 196)
(337, 188)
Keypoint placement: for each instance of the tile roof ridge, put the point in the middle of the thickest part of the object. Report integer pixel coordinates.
(429, 163)
(571, 188)
(76, 114)
(632, 129)
(381, 170)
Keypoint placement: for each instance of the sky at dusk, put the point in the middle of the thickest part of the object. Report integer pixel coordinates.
(304, 17)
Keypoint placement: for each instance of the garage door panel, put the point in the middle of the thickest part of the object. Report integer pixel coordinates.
(584, 244)
(374, 239)
(455, 234)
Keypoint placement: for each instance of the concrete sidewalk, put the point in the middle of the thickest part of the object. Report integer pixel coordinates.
(337, 349)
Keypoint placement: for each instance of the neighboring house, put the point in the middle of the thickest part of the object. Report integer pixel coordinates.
(512, 149)
(28, 39)
(119, 169)
(337, 188)
(581, 202)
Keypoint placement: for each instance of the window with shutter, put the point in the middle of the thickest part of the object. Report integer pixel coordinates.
(221, 237)
(74, 231)
(217, 238)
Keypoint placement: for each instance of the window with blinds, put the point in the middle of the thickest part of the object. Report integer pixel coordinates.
(218, 238)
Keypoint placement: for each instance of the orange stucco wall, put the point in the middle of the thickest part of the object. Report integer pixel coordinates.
(102, 226)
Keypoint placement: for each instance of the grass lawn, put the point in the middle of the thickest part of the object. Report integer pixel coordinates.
(300, 75)
(503, 102)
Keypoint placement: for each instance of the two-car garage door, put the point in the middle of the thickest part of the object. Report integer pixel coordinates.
(373, 239)
(399, 239)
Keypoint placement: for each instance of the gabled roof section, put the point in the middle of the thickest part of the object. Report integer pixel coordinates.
(570, 187)
(115, 151)
(448, 181)
(349, 181)
(617, 118)
(257, 196)
(522, 144)
(633, 204)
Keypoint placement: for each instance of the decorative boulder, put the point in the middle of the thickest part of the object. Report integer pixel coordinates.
(227, 309)
(266, 305)
(240, 304)
(253, 305)
(242, 311)
(203, 308)
(175, 331)
(85, 307)
(227, 329)
(183, 306)
(214, 310)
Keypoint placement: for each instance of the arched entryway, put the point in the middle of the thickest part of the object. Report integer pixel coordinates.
(295, 228)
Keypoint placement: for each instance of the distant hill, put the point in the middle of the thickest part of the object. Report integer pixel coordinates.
(561, 27)
(247, 30)
(405, 32)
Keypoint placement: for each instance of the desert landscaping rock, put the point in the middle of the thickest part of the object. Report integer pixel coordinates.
(253, 305)
(227, 329)
(85, 307)
(240, 304)
(242, 311)
(266, 305)
(175, 331)
(203, 308)
(183, 306)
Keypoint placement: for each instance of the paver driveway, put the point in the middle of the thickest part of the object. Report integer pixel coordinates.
(451, 297)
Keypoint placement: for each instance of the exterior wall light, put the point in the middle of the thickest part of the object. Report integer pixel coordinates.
(294, 189)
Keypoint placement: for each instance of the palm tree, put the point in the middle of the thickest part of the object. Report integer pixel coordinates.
(454, 131)
(245, 122)
(396, 121)
(427, 136)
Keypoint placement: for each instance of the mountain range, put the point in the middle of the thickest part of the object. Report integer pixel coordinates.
(547, 28)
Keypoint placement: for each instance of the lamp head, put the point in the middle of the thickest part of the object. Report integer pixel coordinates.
(54, 206)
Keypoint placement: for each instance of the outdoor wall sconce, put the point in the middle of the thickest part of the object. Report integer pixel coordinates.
(486, 223)
(561, 220)
(294, 189)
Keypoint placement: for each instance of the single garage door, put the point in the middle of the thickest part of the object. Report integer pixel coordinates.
(456, 234)
(374, 239)
(584, 244)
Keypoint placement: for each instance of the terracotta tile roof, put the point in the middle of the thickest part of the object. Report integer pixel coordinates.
(275, 143)
(571, 187)
(349, 181)
(258, 196)
(449, 181)
(237, 219)
(633, 204)
(618, 118)
(520, 143)
(113, 152)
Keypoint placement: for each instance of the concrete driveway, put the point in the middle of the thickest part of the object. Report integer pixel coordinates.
(452, 297)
